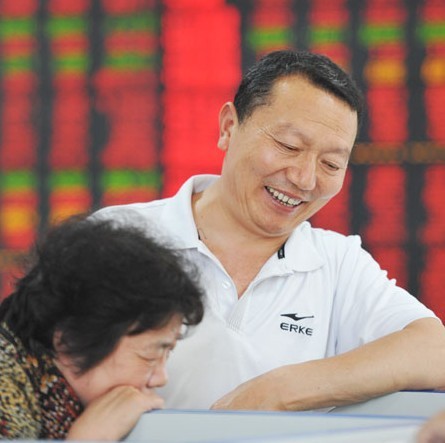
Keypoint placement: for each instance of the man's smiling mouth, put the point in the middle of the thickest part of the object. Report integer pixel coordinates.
(283, 198)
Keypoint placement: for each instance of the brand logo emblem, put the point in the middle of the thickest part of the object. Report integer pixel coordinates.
(295, 316)
(297, 329)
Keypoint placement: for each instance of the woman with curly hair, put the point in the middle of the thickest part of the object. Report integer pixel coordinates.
(85, 335)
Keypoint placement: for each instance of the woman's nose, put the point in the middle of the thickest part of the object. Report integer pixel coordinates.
(159, 376)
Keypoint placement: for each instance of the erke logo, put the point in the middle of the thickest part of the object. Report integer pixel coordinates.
(299, 329)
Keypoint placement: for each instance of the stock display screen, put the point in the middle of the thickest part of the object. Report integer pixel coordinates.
(106, 102)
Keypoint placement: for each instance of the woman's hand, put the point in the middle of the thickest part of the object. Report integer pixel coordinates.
(114, 414)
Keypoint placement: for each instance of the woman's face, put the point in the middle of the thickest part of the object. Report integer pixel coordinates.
(138, 361)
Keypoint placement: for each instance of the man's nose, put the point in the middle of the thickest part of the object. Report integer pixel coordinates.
(302, 172)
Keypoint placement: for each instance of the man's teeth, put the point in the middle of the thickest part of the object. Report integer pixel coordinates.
(282, 198)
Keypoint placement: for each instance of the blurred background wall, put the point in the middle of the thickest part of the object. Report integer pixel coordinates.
(113, 101)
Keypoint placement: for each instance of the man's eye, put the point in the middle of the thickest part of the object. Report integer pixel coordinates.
(287, 147)
(332, 166)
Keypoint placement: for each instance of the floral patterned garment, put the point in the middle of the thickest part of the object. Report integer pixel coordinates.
(36, 402)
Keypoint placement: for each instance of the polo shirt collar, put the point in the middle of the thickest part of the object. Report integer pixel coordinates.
(177, 218)
(300, 251)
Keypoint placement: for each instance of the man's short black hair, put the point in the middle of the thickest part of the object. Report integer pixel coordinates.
(94, 282)
(257, 83)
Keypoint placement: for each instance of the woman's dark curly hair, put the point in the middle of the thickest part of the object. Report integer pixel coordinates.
(94, 282)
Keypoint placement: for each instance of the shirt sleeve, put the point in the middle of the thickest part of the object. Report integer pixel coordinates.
(368, 305)
(19, 416)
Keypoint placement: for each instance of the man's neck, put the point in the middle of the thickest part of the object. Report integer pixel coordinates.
(241, 252)
(219, 227)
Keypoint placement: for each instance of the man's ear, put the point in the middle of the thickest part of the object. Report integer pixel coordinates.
(228, 121)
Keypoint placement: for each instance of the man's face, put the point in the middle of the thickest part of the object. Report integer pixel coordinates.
(286, 160)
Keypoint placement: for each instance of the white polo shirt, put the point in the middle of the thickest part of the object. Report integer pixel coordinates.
(319, 296)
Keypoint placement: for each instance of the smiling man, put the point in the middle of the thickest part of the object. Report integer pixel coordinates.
(296, 318)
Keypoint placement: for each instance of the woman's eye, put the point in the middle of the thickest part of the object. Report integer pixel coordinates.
(148, 360)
